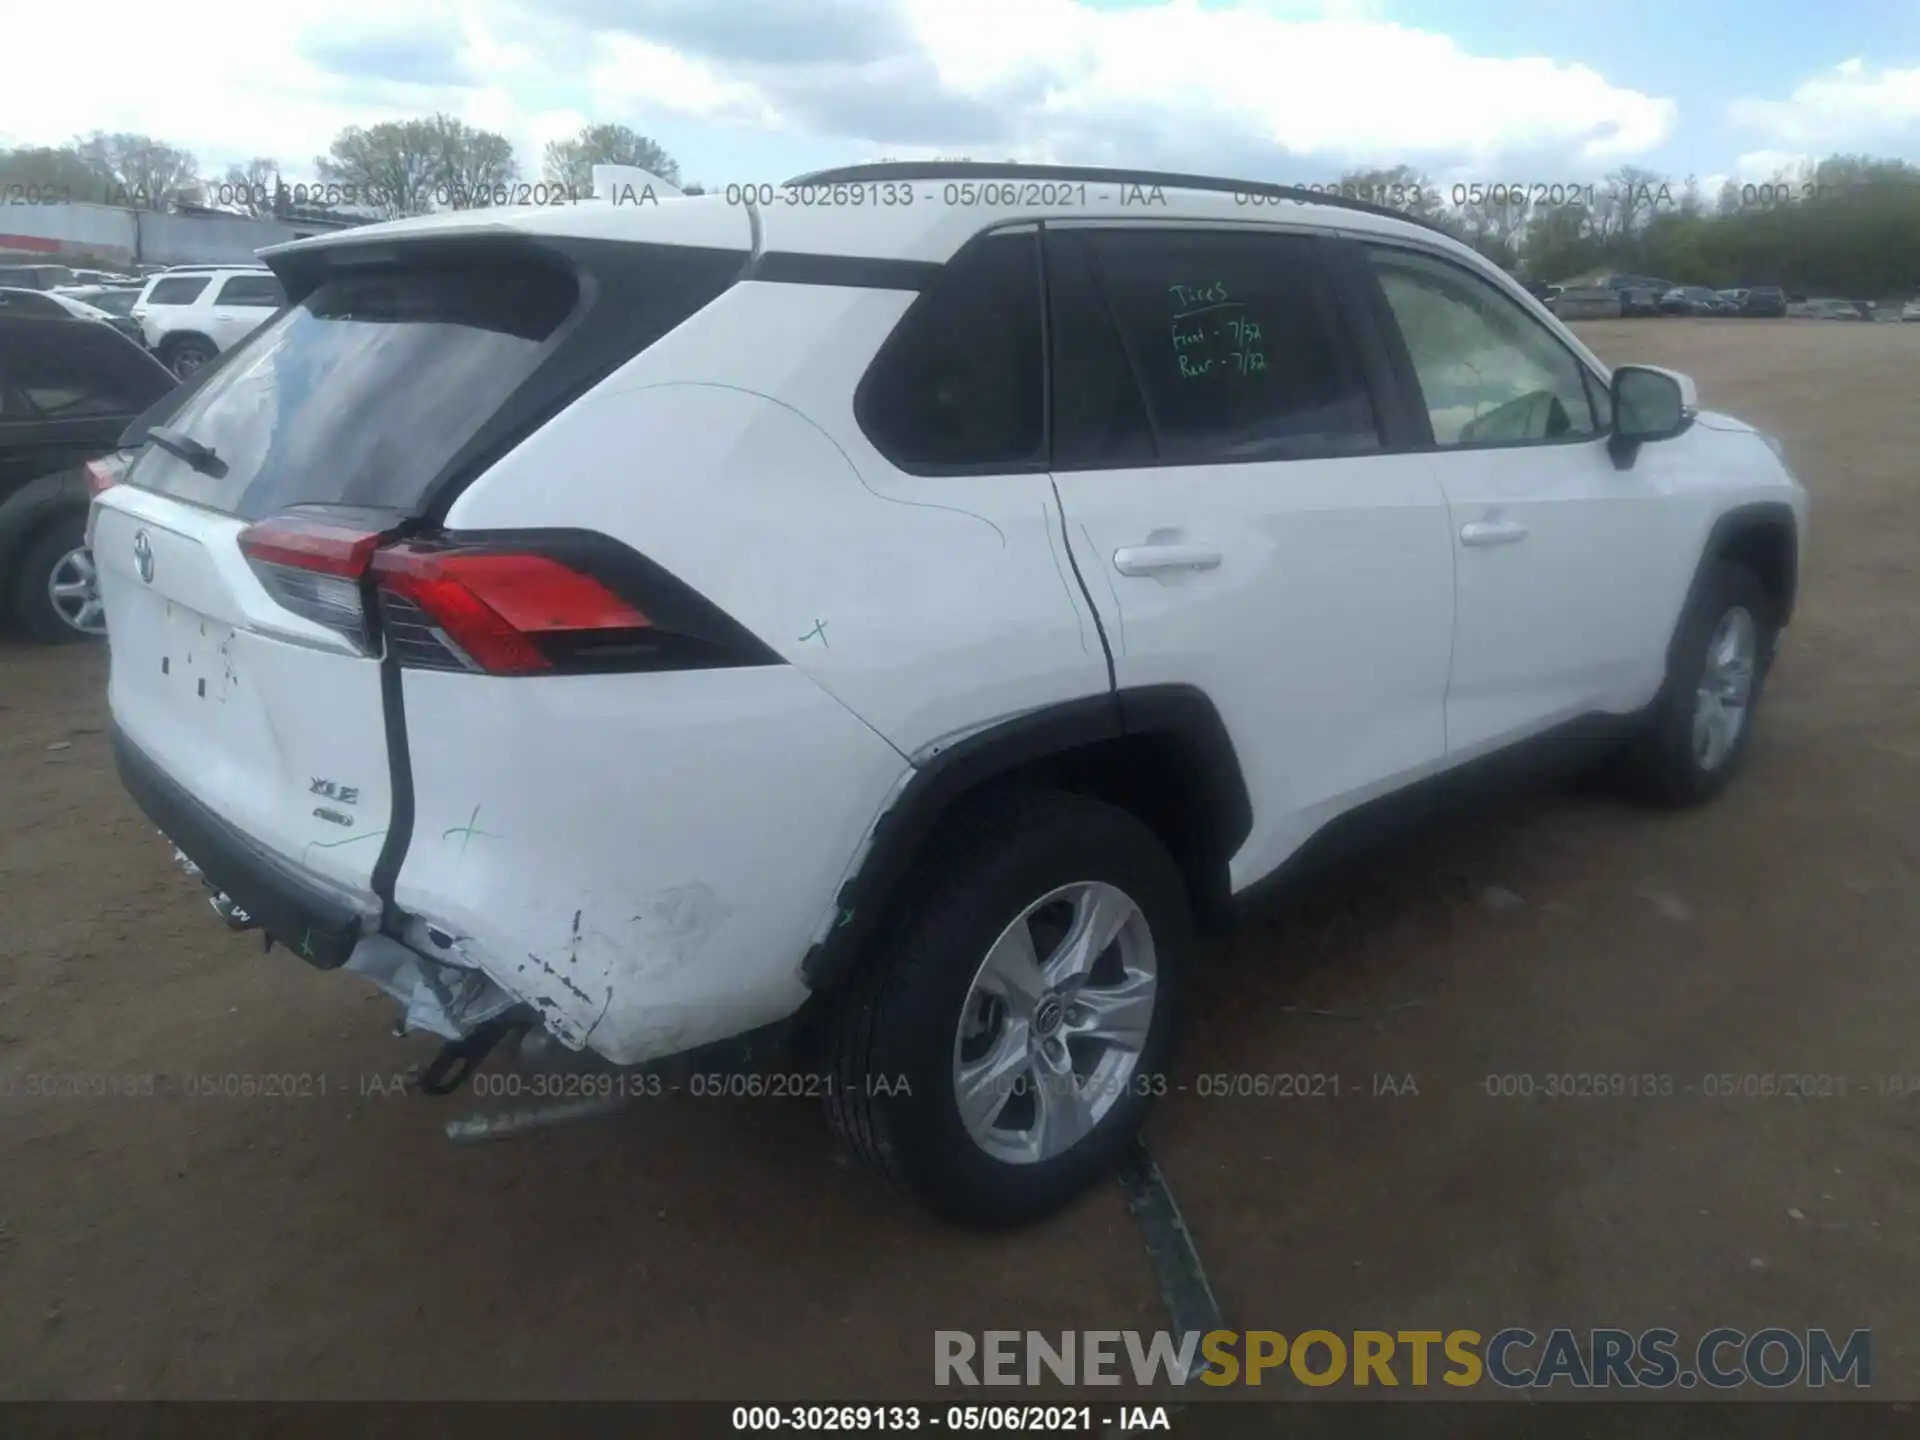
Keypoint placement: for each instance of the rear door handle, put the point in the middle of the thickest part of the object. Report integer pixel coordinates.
(1492, 532)
(1152, 559)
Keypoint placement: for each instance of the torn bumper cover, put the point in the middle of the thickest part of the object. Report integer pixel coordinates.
(444, 1000)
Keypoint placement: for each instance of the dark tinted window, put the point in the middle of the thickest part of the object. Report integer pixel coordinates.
(261, 290)
(56, 370)
(360, 394)
(1233, 338)
(177, 290)
(24, 302)
(1099, 418)
(959, 384)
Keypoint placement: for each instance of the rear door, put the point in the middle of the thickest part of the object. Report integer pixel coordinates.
(1219, 459)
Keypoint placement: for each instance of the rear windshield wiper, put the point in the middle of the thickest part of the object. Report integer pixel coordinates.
(178, 443)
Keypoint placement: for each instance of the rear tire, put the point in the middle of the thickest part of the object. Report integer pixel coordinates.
(931, 1012)
(1690, 746)
(33, 610)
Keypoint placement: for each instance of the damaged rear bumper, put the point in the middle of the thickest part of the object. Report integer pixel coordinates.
(320, 925)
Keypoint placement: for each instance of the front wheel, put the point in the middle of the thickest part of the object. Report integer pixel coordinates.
(1699, 727)
(1004, 1043)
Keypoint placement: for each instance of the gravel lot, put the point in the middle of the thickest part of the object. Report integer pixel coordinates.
(336, 1246)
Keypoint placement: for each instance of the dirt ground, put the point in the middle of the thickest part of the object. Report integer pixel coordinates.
(336, 1246)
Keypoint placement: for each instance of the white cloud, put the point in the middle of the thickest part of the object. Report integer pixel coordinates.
(1317, 87)
(1278, 84)
(1851, 107)
(1757, 165)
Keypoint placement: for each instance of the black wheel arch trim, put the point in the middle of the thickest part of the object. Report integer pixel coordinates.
(1764, 515)
(1179, 713)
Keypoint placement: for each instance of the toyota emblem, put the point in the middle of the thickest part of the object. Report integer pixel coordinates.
(143, 556)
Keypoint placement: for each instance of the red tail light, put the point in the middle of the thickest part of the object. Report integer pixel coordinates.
(315, 569)
(105, 473)
(490, 608)
(501, 603)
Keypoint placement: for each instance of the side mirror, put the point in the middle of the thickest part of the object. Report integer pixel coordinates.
(1648, 404)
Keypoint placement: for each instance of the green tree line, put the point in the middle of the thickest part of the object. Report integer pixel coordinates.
(395, 168)
(1848, 225)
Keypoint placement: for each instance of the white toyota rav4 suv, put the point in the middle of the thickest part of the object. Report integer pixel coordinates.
(190, 314)
(644, 630)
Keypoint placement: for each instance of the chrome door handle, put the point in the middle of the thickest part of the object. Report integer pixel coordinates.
(1151, 559)
(1492, 532)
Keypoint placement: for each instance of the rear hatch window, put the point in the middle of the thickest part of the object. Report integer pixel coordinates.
(383, 379)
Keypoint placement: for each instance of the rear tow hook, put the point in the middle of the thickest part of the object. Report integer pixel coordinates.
(458, 1059)
(231, 915)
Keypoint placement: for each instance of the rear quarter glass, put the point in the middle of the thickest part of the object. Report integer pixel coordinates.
(380, 381)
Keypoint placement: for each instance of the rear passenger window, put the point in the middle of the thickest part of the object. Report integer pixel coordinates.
(257, 290)
(959, 384)
(178, 290)
(1228, 343)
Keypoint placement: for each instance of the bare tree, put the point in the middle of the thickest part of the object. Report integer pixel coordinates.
(1637, 195)
(139, 170)
(473, 165)
(389, 168)
(570, 162)
(253, 187)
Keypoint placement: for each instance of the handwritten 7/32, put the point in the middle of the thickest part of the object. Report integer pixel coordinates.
(1190, 334)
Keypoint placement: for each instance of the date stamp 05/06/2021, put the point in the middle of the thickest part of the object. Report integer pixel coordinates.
(1581, 1088)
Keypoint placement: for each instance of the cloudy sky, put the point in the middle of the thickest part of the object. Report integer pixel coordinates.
(1293, 90)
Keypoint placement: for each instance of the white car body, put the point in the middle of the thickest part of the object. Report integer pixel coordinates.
(645, 860)
(204, 310)
(1911, 310)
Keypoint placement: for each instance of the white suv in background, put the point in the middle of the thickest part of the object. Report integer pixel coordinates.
(642, 631)
(192, 313)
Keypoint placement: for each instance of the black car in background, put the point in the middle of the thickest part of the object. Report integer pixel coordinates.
(1639, 300)
(68, 391)
(1768, 301)
(1694, 300)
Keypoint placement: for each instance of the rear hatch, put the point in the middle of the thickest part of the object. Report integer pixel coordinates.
(257, 719)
